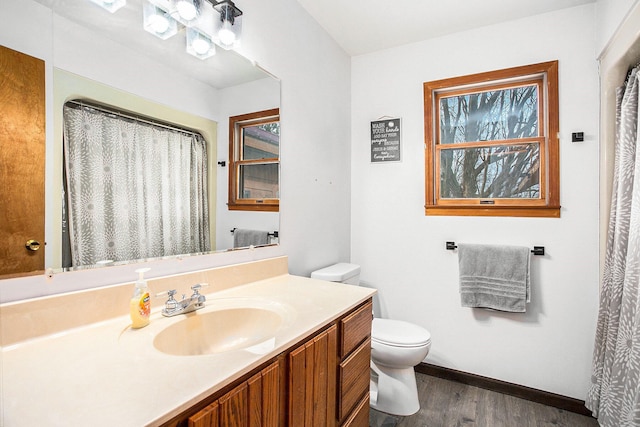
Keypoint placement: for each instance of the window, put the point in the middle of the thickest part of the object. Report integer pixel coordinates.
(254, 147)
(491, 143)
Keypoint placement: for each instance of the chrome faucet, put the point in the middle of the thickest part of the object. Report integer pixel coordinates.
(187, 304)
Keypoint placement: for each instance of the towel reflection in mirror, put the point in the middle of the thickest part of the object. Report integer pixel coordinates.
(243, 238)
(134, 188)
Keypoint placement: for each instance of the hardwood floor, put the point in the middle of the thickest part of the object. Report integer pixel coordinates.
(447, 403)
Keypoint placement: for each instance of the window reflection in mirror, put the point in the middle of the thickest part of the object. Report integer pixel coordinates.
(254, 147)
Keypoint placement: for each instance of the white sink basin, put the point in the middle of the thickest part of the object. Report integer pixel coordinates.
(218, 331)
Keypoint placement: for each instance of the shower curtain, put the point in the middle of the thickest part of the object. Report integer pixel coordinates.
(614, 395)
(134, 190)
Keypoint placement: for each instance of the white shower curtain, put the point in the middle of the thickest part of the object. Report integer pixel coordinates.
(614, 396)
(134, 190)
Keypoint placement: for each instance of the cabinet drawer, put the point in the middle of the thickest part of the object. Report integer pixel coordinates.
(354, 328)
(354, 379)
(360, 416)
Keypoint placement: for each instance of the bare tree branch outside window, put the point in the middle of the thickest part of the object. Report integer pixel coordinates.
(495, 171)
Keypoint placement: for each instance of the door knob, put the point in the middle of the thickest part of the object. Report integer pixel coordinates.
(32, 245)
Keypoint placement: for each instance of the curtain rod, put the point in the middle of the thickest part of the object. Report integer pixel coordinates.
(151, 121)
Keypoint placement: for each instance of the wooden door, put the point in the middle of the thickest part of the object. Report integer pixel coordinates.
(22, 162)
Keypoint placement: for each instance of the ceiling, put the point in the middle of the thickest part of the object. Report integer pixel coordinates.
(364, 26)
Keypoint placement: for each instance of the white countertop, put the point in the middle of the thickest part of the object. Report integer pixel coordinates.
(106, 374)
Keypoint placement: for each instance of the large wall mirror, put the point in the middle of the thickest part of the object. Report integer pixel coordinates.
(109, 59)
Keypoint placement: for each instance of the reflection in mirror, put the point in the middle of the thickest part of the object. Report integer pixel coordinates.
(22, 138)
(110, 59)
(254, 159)
(133, 187)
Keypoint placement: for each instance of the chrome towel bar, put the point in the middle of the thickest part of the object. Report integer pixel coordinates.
(537, 250)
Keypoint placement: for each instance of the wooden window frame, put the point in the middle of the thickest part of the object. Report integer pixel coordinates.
(236, 123)
(548, 205)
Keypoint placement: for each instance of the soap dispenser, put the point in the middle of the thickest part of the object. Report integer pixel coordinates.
(140, 304)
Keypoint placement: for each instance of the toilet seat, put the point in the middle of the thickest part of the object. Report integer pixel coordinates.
(397, 333)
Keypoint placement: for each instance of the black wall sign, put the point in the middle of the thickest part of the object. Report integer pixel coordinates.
(385, 141)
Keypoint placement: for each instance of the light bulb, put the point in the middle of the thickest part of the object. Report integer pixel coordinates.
(186, 9)
(159, 23)
(110, 5)
(226, 35)
(201, 45)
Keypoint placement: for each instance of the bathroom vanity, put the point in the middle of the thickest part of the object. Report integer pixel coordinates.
(280, 350)
(323, 380)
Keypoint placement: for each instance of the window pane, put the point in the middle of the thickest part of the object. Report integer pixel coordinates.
(497, 172)
(261, 141)
(489, 116)
(258, 181)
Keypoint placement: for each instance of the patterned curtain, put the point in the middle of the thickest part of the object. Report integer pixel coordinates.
(134, 190)
(614, 396)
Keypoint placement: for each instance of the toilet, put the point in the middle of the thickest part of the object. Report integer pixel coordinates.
(396, 348)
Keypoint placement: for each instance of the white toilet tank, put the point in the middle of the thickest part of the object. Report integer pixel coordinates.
(342, 272)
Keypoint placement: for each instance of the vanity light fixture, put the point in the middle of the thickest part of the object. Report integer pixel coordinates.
(158, 22)
(228, 28)
(199, 45)
(212, 22)
(110, 5)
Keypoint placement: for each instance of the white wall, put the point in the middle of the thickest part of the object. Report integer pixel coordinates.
(402, 251)
(609, 15)
(315, 76)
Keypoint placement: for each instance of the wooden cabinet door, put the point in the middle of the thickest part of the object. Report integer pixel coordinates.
(208, 417)
(313, 381)
(252, 403)
(22, 157)
(234, 407)
(264, 397)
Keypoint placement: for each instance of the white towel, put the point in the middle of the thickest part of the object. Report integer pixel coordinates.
(494, 277)
(243, 238)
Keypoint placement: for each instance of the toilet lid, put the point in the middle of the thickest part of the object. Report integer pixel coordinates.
(337, 272)
(398, 333)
